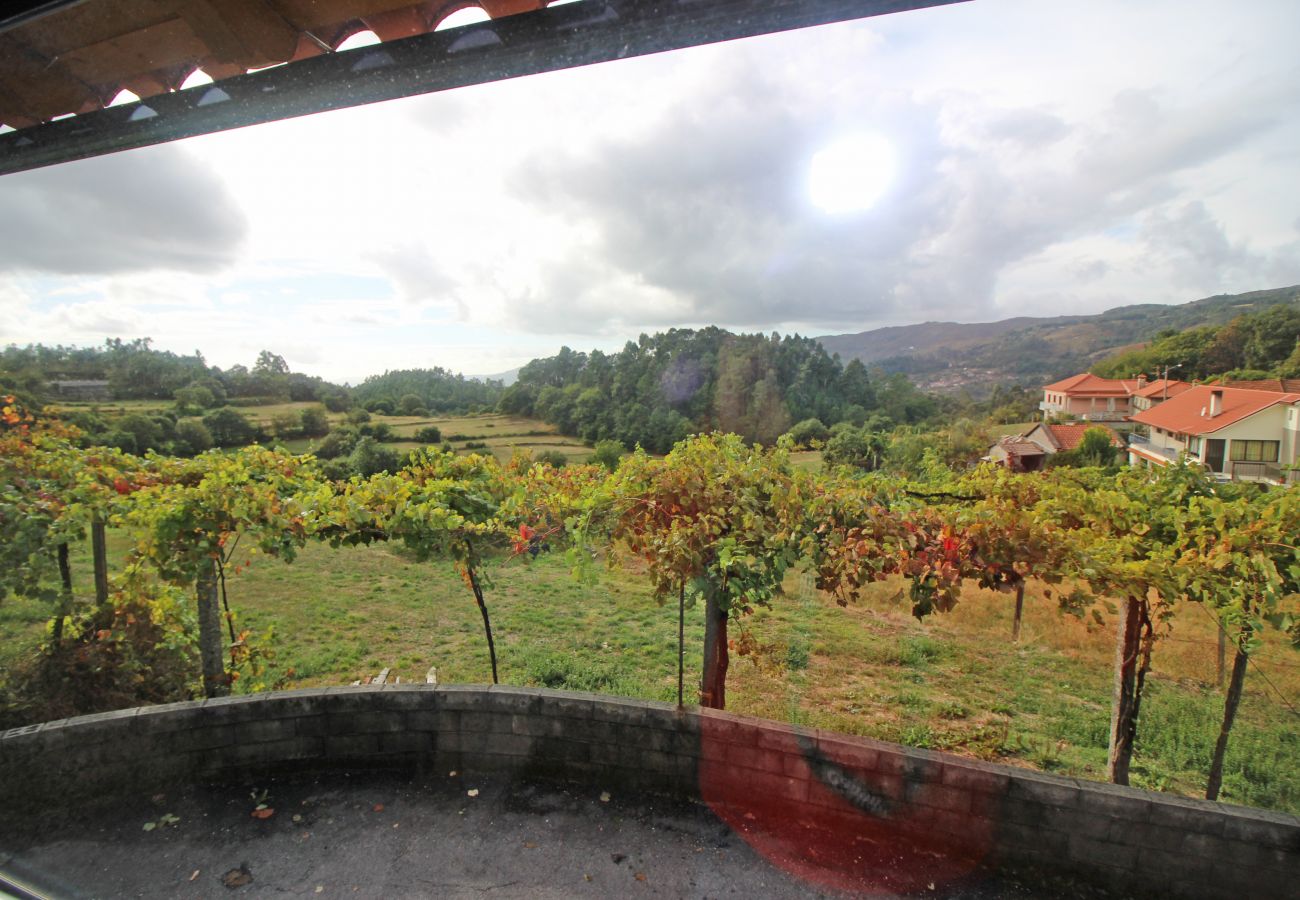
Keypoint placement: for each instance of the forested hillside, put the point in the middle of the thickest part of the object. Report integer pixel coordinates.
(435, 390)
(948, 356)
(663, 387)
(1254, 345)
(136, 371)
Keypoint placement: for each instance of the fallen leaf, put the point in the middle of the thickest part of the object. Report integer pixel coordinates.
(237, 877)
(451, 774)
(150, 826)
(604, 796)
(297, 818)
(530, 845)
(195, 875)
(586, 876)
(473, 792)
(264, 812)
(379, 807)
(640, 876)
(395, 824)
(320, 888)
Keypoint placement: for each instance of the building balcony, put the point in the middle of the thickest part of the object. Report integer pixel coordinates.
(1148, 449)
(1265, 472)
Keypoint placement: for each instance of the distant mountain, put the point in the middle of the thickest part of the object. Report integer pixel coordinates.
(950, 356)
(507, 378)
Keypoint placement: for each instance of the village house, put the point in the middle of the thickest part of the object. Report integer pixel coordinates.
(1244, 435)
(1090, 398)
(1028, 452)
(1094, 399)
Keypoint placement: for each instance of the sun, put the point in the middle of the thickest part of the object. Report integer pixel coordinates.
(851, 174)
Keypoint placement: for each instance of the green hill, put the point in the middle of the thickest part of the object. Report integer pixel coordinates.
(949, 356)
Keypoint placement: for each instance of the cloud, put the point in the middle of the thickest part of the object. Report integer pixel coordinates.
(701, 216)
(141, 210)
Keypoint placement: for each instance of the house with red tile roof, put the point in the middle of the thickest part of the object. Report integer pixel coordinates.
(1157, 392)
(1244, 435)
(1090, 398)
(1094, 399)
(1028, 452)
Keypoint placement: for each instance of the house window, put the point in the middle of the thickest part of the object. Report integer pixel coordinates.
(1255, 451)
(1194, 446)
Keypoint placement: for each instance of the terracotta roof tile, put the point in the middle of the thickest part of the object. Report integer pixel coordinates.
(1188, 413)
(1157, 388)
(1069, 436)
(1087, 384)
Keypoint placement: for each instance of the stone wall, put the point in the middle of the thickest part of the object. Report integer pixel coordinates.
(794, 794)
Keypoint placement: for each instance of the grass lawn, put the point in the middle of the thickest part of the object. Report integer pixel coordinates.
(954, 682)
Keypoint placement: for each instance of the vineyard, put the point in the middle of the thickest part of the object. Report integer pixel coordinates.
(771, 576)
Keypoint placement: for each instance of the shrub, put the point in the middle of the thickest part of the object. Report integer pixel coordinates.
(314, 421)
(194, 435)
(229, 428)
(553, 458)
(430, 434)
(358, 416)
(338, 442)
(608, 454)
(809, 430)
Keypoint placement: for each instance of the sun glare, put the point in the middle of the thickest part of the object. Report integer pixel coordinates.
(851, 174)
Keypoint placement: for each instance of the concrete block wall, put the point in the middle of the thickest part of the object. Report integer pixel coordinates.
(793, 793)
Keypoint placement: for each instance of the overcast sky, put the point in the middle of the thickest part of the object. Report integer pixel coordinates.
(1048, 157)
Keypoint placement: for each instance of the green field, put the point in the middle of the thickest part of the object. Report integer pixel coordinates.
(502, 434)
(955, 682)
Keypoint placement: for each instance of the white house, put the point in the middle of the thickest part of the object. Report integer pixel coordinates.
(1246, 435)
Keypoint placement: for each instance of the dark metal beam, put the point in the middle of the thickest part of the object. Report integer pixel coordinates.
(562, 37)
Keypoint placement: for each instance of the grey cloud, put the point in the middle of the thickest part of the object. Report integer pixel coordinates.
(712, 209)
(1198, 254)
(135, 211)
(707, 208)
(417, 275)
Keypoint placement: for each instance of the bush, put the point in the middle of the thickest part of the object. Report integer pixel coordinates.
(314, 421)
(809, 430)
(338, 442)
(429, 434)
(380, 431)
(133, 651)
(608, 454)
(553, 458)
(369, 457)
(383, 407)
(411, 405)
(194, 435)
(228, 428)
(358, 417)
(476, 445)
(337, 403)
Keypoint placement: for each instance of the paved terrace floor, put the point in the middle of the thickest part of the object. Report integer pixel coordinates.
(383, 835)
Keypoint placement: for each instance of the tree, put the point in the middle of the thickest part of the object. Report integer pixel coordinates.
(190, 529)
(1241, 557)
(429, 434)
(315, 422)
(269, 363)
(715, 519)
(194, 436)
(228, 428)
(411, 405)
